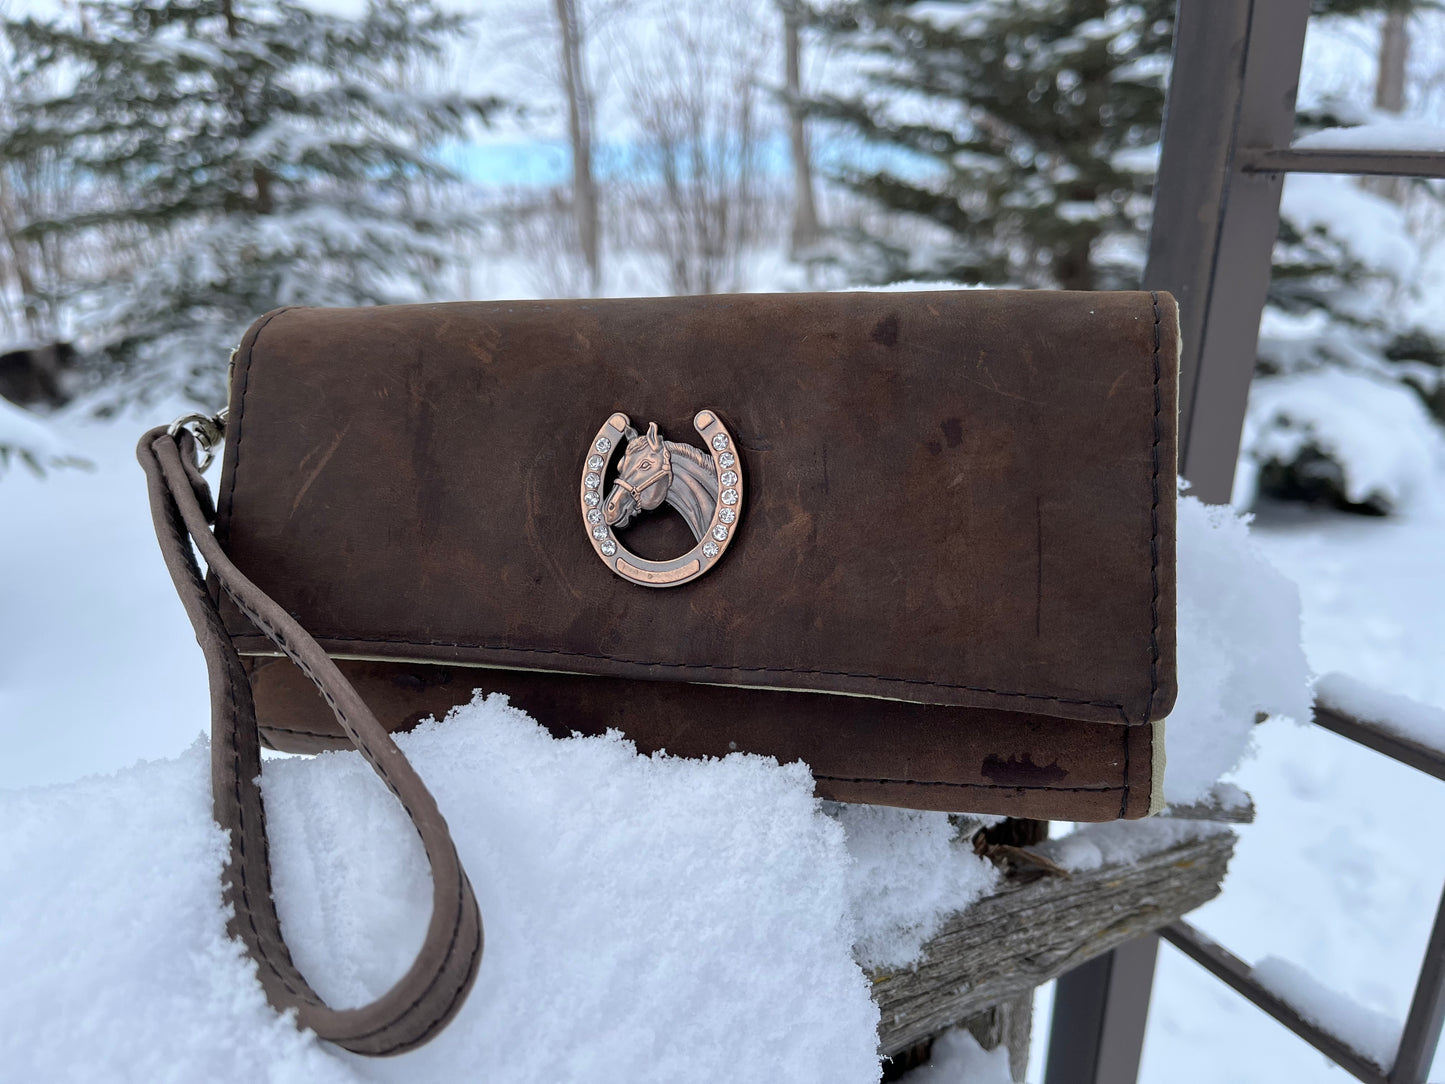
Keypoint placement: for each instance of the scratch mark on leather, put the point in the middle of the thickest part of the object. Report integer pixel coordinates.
(316, 471)
(1039, 566)
(539, 544)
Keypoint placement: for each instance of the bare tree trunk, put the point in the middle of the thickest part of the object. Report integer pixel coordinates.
(579, 130)
(805, 212)
(25, 257)
(1394, 52)
(1390, 87)
(21, 259)
(692, 193)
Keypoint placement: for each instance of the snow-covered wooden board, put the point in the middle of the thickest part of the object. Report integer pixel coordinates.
(1023, 935)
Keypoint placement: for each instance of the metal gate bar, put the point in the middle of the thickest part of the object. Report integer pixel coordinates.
(1225, 150)
(1222, 963)
(1381, 739)
(1375, 163)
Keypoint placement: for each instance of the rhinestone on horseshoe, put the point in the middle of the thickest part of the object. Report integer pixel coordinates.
(652, 471)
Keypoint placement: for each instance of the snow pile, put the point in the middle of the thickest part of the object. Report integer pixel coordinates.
(1348, 351)
(112, 941)
(910, 870)
(1371, 435)
(647, 918)
(1372, 229)
(1239, 651)
(958, 1059)
(1408, 718)
(1384, 132)
(1121, 843)
(26, 438)
(1365, 1031)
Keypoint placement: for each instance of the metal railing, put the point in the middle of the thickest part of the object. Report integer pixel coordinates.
(1228, 125)
(1421, 1033)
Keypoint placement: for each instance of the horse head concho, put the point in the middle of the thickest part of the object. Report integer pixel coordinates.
(706, 489)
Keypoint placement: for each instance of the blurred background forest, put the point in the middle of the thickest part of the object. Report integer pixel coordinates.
(170, 170)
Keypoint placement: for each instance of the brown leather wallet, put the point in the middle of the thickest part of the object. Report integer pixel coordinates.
(922, 541)
(950, 584)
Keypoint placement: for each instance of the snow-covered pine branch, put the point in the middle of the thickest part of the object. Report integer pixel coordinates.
(237, 155)
(26, 439)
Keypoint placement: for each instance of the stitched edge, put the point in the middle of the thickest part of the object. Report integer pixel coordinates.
(1154, 520)
(243, 371)
(833, 778)
(258, 950)
(1153, 554)
(360, 744)
(272, 728)
(1102, 788)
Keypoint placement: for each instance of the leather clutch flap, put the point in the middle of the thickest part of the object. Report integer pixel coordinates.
(957, 499)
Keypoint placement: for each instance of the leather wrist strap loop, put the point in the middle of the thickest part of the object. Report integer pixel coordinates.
(434, 987)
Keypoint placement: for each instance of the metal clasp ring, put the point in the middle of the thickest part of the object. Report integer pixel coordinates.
(208, 430)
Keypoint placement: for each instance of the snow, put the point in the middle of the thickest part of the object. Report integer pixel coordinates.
(1229, 796)
(648, 918)
(25, 437)
(1371, 227)
(1079, 211)
(1136, 159)
(1386, 133)
(1370, 1033)
(119, 935)
(1276, 325)
(947, 16)
(1091, 846)
(1341, 413)
(1147, 69)
(1239, 651)
(1408, 718)
(1341, 871)
(910, 870)
(958, 1059)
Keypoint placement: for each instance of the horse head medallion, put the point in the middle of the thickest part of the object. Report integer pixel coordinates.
(704, 487)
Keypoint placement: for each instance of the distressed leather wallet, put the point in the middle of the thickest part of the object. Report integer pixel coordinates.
(922, 541)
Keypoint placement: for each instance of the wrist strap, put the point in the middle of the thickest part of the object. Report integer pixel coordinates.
(434, 987)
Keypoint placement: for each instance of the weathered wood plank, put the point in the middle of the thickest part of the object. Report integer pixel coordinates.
(1025, 935)
(1009, 1024)
(1225, 804)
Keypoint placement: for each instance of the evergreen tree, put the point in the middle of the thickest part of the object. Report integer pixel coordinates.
(1023, 128)
(1018, 139)
(1346, 377)
(237, 155)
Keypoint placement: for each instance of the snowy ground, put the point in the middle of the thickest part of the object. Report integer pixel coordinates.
(1339, 875)
(1342, 870)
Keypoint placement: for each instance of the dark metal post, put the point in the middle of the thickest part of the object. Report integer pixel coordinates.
(1427, 1011)
(1206, 91)
(1100, 1011)
(1236, 70)
(1229, 968)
